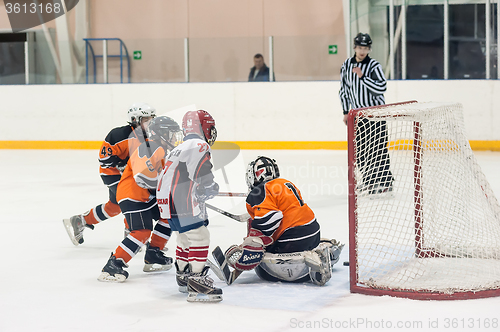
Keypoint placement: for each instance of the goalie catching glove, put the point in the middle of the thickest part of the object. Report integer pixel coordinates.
(249, 254)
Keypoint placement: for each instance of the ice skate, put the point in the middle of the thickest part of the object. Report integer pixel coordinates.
(75, 227)
(155, 260)
(182, 277)
(201, 289)
(113, 270)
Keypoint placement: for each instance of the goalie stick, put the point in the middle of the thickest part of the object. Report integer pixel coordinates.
(224, 194)
(215, 268)
(240, 218)
(220, 260)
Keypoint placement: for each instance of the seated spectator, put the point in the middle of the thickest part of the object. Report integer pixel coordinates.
(259, 72)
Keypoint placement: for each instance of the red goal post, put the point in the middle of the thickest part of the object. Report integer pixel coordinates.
(436, 235)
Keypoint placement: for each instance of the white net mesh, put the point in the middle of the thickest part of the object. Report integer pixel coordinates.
(426, 217)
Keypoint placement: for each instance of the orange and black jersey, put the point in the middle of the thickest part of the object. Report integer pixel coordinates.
(277, 206)
(138, 182)
(117, 147)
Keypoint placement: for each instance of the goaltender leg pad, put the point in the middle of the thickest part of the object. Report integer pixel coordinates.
(262, 274)
(322, 273)
(289, 267)
(335, 248)
(311, 265)
(291, 271)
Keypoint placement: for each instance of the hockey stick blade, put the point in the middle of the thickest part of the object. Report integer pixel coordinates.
(240, 218)
(218, 272)
(223, 194)
(220, 260)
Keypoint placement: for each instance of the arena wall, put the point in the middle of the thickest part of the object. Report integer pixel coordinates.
(278, 115)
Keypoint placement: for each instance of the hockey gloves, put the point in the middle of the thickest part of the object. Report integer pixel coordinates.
(249, 254)
(204, 193)
(246, 256)
(266, 240)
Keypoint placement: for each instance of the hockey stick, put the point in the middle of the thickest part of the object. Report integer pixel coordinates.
(240, 218)
(220, 259)
(218, 272)
(224, 194)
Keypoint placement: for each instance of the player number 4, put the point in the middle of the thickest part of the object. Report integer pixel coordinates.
(103, 151)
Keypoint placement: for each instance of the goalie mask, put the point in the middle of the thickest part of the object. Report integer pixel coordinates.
(200, 123)
(137, 111)
(261, 170)
(166, 130)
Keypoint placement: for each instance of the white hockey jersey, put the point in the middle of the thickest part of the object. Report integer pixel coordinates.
(187, 166)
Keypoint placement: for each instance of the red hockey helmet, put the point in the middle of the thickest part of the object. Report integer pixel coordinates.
(201, 123)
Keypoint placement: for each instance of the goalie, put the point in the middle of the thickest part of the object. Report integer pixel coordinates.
(283, 241)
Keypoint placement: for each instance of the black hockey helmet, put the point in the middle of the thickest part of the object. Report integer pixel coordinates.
(260, 170)
(363, 39)
(164, 128)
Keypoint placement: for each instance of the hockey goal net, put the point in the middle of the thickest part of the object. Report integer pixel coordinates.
(424, 222)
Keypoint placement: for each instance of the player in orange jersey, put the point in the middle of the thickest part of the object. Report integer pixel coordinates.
(136, 196)
(283, 241)
(113, 156)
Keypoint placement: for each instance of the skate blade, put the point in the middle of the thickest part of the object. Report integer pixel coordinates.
(183, 289)
(71, 233)
(106, 277)
(197, 297)
(156, 267)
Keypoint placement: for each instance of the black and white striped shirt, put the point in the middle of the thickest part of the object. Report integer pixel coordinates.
(366, 91)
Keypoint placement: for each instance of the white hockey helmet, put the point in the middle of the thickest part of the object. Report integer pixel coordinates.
(261, 170)
(139, 110)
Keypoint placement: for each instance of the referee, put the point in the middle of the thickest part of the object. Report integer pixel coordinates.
(362, 85)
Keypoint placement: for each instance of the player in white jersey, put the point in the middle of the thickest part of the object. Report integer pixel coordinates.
(185, 183)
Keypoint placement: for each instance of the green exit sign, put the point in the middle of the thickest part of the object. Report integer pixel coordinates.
(137, 55)
(332, 49)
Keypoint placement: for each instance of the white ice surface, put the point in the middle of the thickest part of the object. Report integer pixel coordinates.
(47, 284)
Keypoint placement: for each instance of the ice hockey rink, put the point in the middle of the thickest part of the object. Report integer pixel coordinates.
(48, 284)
